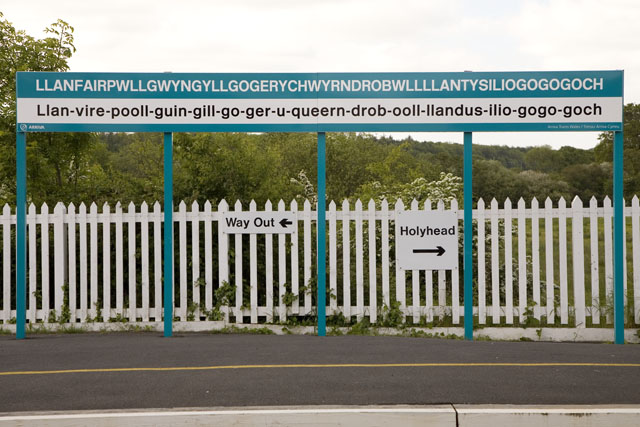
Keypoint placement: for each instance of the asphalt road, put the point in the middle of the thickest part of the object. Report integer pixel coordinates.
(111, 371)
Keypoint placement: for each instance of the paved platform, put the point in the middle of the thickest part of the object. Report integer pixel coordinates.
(129, 371)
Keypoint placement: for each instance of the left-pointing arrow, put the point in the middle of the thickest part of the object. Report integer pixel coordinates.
(439, 250)
(284, 222)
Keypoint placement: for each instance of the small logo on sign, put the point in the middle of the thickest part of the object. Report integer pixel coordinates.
(23, 127)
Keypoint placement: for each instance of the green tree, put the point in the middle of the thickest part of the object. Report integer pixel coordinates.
(398, 166)
(22, 52)
(446, 188)
(239, 166)
(136, 169)
(589, 180)
(349, 160)
(542, 159)
(570, 156)
(529, 184)
(491, 179)
(603, 152)
(58, 160)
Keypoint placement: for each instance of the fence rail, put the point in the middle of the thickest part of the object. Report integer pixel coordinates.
(552, 265)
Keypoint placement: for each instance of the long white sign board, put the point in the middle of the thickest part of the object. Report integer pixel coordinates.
(427, 240)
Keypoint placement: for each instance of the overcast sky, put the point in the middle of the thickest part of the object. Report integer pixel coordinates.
(352, 35)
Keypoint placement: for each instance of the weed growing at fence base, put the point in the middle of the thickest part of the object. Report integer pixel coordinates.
(118, 319)
(70, 329)
(364, 328)
(251, 331)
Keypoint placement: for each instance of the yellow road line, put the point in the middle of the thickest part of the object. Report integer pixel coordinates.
(337, 365)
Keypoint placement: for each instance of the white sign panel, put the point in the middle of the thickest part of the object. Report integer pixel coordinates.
(555, 111)
(259, 222)
(427, 240)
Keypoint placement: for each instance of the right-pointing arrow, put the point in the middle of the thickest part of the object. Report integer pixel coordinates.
(439, 250)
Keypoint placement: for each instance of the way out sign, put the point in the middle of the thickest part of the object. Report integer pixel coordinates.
(259, 222)
(427, 240)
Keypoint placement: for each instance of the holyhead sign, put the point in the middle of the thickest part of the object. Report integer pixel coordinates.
(427, 240)
(465, 101)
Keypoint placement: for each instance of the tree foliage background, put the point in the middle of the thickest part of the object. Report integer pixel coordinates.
(111, 167)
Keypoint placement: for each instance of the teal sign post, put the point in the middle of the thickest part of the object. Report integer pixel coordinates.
(318, 102)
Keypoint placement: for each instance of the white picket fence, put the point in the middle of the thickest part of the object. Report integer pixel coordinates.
(527, 265)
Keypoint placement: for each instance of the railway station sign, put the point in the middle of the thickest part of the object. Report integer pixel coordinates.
(320, 102)
(326, 102)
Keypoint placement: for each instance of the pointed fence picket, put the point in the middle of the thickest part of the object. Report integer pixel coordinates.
(106, 263)
(81, 248)
(635, 244)
(481, 263)
(93, 267)
(373, 268)
(71, 268)
(60, 253)
(295, 248)
(508, 261)
(181, 218)
(624, 264)
(33, 265)
(346, 260)
(386, 300)
(428, 285)
(442, 285)
(415, 282)
(564, 285)
(535, 258)
(208, 257)
(594, 304)
(6, 263)
(253, 275)
(495, 264)
(400, 276)
(119, 254)
(195, 259)
(269, 269)
(44, 265)
(157, 260)
(333, 259)
(144, 255)
(455, 282)
(359, 262)
(131, 255)
(239, 283)
(522, 261)
(608, 257)
(223, 253)
(307, 257)
(578, 263)
(84, 291)
(282, 270)
(549, 249)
